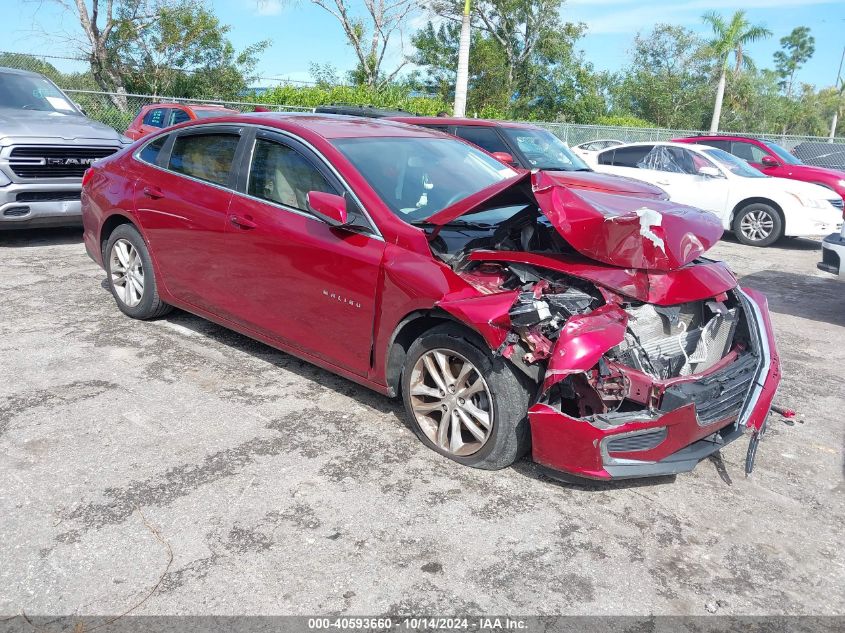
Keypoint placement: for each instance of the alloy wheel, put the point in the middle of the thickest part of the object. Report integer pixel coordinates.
(127, 273)
(757, 225)
(451, 402)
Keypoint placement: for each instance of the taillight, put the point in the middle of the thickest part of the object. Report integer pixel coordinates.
(89, 173)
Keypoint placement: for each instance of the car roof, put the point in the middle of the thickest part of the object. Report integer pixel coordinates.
(446, 120)
(18, 71)
(725, 137)
(331, 126)
(661, 143)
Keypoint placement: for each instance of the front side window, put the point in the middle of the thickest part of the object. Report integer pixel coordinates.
(282, 175)
(205, 156)
(485, 137)
(747, 151)
(417, 177)
(544, 150)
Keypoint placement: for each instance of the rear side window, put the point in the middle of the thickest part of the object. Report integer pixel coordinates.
(179, 116)
(150, 152)
(747, 151)
(282, 175)
(722, 145)
(155, 118)
(205, 156)
(628, 156)
(485, 137)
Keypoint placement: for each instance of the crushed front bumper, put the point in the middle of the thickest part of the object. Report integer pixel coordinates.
(655, 443)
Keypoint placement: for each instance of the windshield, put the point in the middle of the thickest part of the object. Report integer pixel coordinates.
(544, 150)
(24, 92)
(733, 164)
(785, 156)
(417, 177)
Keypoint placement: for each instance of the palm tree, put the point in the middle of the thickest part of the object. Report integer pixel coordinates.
(730, 37)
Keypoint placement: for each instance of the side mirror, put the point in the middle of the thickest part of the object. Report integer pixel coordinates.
(709, 172)
(768, 161)
(328, 207)
(504, 157)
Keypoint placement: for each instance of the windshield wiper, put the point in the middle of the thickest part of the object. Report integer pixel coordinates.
(460, 223)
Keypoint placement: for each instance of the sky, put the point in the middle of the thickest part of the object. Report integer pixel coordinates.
(302, 33)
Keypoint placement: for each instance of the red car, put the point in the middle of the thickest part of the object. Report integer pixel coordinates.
(511, 313)
(530, 147)
(156, 116)
(772, 160)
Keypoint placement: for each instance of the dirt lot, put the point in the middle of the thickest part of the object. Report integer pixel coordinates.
(279, 488)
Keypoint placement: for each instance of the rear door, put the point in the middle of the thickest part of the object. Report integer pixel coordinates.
(289, 275)
(182, 199)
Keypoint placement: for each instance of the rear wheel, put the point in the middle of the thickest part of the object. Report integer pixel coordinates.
(758, 224)
(463, 402)
(130, 274)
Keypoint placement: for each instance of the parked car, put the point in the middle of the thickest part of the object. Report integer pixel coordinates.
(833, 254)
(157, 116)
(530, 147)
(757, 208)
(46, 144)
(773, 160)
(829, 155)
(508, 311)
(591, 147)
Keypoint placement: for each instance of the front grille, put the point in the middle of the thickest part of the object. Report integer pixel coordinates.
(47, 196)
(838, 203)
(641, 442)
(717, 396)
(55, 161)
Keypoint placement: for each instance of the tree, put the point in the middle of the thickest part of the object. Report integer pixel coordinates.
(370, 36)
(183, 52)
(730, 38)
(666, 81)
(798, 47)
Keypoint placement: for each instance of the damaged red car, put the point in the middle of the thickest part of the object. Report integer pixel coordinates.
(510, 312)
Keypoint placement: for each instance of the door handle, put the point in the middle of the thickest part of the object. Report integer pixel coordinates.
(241, 222)
(153, 192)
(663, 182)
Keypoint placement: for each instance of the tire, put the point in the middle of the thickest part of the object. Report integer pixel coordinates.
(503, 395)
(758, 224)
(125, 245)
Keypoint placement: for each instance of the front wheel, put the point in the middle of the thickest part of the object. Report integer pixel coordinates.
(463, 402)
(130, 274)
(758, 224)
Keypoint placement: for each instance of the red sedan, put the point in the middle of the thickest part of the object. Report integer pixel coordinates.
(510, 312)
(157, 116)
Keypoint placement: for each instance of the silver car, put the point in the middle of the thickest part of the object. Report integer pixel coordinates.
(46, 144)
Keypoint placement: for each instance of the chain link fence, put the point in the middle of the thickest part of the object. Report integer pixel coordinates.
(118, 110)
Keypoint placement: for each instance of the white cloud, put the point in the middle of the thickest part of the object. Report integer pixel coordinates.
(268, 7)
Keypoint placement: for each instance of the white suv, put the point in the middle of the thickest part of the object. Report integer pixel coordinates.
(757, 208)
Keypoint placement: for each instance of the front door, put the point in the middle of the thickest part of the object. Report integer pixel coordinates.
(291, 276)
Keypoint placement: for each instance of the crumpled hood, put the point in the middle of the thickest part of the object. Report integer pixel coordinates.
(608, 183)
(18, 123)
(614, 229)
(626, 232)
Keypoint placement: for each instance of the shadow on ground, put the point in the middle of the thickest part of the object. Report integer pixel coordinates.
(28, 238)
(800, 295)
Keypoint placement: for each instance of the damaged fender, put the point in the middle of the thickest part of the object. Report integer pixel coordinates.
(488, 314)
(583, 340)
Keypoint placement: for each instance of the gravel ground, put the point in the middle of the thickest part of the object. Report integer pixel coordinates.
(235, 479)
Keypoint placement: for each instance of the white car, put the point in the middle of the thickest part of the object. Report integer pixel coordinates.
(591, 147)
(757, 208)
